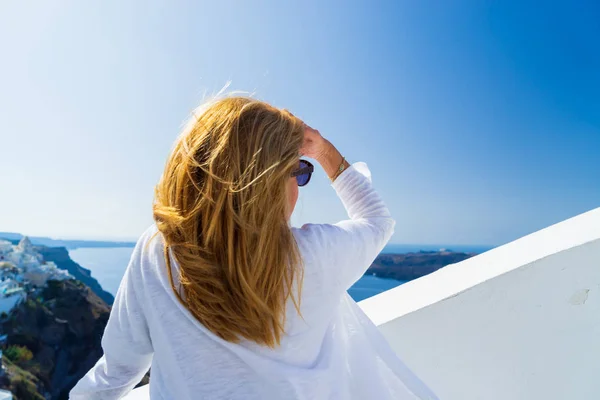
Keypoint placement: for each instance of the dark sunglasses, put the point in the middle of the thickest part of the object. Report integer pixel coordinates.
(303, 173)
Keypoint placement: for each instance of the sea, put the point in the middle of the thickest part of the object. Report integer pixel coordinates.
(108, 265)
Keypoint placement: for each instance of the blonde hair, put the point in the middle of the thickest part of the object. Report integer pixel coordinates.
(221, 207)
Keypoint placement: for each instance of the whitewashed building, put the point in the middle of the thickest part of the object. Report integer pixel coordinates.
(29, 261)
(41, 274)
(6, 248)
(8, 270)
(11, 294)
(25, 245)
(7, 285)
(36, 276)
(24, 255)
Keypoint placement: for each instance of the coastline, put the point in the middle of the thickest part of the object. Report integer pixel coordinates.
(103, 271)
(389, 270)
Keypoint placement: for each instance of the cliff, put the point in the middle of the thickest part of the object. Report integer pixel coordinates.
(60, 256)
(409, 266)
(61, 325)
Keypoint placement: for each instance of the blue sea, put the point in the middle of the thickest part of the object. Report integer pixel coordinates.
(108, 265)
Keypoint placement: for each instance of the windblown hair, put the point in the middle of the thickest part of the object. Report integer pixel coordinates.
(221, 208)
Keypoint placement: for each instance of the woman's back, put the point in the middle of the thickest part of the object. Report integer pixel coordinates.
(191, 362)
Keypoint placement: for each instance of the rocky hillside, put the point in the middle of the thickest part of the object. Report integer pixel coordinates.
(409, 266)
(60, 255)
(61, 326)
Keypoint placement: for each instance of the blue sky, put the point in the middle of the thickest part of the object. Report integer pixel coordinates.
(480, 121)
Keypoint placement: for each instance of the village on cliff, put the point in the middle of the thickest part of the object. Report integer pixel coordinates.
(23, 269)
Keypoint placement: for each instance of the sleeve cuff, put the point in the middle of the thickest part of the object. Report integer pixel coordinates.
(356, 170)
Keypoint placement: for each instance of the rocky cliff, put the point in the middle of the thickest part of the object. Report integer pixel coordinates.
(62, 326)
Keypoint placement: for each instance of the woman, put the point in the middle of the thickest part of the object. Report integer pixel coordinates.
(224, 300)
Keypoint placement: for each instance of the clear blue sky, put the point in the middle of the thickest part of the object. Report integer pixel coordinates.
(480, 121)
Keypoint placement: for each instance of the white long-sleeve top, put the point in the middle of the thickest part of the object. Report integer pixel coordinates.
(332, 352)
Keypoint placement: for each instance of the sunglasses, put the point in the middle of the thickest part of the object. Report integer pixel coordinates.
(303, 173)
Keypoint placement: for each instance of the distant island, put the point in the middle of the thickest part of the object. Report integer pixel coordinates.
(68, 244)
(409, 266)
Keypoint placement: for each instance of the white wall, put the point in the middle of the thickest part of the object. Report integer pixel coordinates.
(7, 303)
(521, 322)
(5, 395)
(141, 393)
(37, 277)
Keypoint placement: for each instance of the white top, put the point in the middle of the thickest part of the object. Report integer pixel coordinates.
(333, 352)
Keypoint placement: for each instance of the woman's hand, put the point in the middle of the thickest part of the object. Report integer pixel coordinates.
(315, 146)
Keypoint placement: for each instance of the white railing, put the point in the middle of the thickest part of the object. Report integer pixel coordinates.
(520, 322)
(141, 393)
